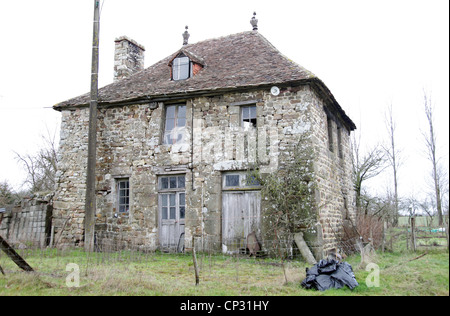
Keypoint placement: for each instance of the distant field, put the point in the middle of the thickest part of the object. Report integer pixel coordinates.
(129, 273)
(420, 221)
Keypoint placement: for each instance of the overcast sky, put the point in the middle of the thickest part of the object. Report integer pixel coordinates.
(368, 53)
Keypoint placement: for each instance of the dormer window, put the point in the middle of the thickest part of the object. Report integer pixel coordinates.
(181, 67)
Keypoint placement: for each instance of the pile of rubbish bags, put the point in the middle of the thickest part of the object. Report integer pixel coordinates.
(328, 274)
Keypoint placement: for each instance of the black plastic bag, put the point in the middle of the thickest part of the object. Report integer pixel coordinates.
(328, 274)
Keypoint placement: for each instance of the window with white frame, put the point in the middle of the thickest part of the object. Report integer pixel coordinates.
(123, 195)
(172, 182)
(248, 115)
(239, 180)
(175, 124)
(172, 197)
(181, 67)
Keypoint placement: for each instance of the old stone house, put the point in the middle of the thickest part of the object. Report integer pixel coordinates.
(175, 142)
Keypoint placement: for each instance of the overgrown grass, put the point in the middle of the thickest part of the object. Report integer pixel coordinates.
(131, 273)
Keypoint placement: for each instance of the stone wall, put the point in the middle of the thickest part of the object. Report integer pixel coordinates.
(70, 195)
(28, 223)
(130, 146)
(333, 170)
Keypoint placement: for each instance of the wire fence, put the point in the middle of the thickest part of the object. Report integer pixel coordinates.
(124, 266)
(263, 261)
(416, 235)
(170, 267)
(209, 245)
(33, 238)
(32, 241)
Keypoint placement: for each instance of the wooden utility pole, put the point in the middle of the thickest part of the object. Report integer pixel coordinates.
(90, 206)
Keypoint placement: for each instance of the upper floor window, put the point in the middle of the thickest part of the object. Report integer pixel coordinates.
(174, 124)
(330, 133)
(181, 67)
(248, 115)
(339, 140)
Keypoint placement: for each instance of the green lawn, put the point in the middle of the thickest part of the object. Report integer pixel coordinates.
(131, 273)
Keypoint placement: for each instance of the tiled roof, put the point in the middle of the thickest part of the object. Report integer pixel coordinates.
(242, 60)
(239, 60)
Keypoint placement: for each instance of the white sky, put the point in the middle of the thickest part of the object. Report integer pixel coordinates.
(368, 53)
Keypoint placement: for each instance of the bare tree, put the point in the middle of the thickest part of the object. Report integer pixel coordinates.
(41, 166)
(365, 166)
(392, 154)
(431, 147)
(411, 205)
(427, 206)
(445, 193)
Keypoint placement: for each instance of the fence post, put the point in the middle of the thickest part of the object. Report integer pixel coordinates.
(194, 258)
(407, 236)
(446, 230)
(413, 233)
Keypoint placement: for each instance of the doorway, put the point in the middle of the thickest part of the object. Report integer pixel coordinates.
(172, 213)
(241, 212)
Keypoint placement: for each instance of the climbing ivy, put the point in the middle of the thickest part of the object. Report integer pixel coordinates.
(287, 200)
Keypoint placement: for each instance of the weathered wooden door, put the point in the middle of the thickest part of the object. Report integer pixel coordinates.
(241, 212)
(172, 221)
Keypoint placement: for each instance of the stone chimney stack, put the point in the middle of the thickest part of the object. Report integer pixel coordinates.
(128, 58)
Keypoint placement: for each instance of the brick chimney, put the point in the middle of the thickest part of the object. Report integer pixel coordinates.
(128, 58)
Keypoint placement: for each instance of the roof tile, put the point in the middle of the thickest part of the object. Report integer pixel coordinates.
(239, 60)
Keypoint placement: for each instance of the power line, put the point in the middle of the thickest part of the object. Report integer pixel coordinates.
(20, 109)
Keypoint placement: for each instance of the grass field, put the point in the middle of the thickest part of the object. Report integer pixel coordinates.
(421, 221)
(156, 274)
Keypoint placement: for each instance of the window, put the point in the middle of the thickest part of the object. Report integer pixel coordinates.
(171, 204)
(240, 180)
(232, 180)
(181, 68)
(123, 190)
(172, 182)
(339, 139)
(248, 115)
(173, 197)
(175, 124)
(330, 133)
(251, 181)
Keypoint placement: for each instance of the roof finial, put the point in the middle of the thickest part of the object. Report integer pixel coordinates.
(186, 36)
(254, 22)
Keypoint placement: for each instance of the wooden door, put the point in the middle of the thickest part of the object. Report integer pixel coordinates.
(172, 221)
(241, 212)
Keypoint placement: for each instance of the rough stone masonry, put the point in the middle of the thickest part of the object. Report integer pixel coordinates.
(137, 170)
